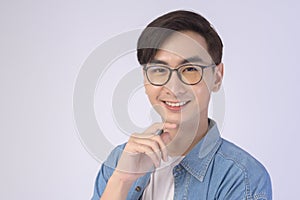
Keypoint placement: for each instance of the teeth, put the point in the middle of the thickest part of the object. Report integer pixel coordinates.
(176, 104)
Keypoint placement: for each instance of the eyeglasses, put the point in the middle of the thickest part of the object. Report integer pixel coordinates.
(189, 73)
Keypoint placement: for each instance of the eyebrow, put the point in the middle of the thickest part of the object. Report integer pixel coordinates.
(155, 61)
(194, 59)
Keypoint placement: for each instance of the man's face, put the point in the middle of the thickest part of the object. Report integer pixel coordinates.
(175, 101)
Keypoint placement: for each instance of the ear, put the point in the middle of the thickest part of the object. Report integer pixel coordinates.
(145, 81)
(218, 77)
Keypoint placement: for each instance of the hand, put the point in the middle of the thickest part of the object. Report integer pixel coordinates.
(143, 152)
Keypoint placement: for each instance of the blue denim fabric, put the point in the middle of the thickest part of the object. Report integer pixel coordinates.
(213, 169)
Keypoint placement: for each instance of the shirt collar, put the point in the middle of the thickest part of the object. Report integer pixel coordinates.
(198, 159)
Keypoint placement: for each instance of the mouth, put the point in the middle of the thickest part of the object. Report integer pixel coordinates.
(175, 106)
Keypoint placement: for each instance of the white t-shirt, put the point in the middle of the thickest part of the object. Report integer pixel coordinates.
(161, 185)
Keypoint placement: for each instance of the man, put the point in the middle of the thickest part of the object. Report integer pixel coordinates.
(183, 157)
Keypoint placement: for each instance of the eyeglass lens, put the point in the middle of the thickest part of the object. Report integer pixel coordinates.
(160, 75)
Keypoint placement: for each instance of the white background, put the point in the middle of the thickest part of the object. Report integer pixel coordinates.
(44, 43)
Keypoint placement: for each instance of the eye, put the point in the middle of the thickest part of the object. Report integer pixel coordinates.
(157, 70)
(160, 70)
(190, 69)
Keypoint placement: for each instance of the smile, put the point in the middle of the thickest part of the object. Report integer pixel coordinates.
(178, 104)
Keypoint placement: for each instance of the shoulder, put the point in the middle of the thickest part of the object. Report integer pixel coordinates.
(240, 163)
(242, 159)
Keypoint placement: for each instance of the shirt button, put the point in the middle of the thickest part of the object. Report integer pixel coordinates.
(138, 189)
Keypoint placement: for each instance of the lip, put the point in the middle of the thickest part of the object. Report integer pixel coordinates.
(174, 108)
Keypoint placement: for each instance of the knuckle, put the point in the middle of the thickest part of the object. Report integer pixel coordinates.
(134, 135)
(156, 124)
(158, 139)
(153, 143)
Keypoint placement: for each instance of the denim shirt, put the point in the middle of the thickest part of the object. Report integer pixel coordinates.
(213, 169)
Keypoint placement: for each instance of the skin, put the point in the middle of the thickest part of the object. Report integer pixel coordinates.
(183, 126)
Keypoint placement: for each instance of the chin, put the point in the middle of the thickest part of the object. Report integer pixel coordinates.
(175, 119)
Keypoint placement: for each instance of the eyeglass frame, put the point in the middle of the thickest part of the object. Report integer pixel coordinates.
(147, 66)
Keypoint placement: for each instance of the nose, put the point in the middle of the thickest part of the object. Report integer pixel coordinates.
(175, 85)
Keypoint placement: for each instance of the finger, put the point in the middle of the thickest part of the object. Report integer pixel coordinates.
(163, 125)
(141, 148)
(159, 146)
(134, 161)
(157, 128)
(169, 125)
(154, 128)
(153, 144)
(162, 147)
(137, 145)
(156, 143)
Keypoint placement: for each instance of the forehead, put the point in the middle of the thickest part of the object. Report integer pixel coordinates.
(182, 46)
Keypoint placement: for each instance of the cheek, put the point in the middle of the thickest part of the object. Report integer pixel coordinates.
(148, 87)
(208, 80)
(202, 95)
(152, 92)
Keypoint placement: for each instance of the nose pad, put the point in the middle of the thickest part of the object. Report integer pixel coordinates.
(175, 85)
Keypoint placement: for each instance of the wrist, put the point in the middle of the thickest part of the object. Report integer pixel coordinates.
(122, 178)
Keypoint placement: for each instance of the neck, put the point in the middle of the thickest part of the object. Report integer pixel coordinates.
(201, 132)
(187, 135)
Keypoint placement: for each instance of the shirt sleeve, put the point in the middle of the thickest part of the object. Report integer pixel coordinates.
(256, 186)
(262, 187)
(105, 172)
